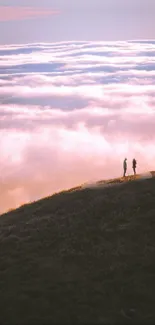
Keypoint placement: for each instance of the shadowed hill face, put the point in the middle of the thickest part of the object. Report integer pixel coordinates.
(81, 256)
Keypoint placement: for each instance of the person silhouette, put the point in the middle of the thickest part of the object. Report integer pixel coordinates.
(134, 165)
(125, 166)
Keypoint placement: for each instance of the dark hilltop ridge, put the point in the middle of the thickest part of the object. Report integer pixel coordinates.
(81, 256)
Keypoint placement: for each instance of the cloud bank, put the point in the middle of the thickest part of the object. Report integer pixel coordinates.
(70, 112)
(8, 13)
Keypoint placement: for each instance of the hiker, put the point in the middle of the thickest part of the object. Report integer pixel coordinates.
(134, 164)
(125, 166)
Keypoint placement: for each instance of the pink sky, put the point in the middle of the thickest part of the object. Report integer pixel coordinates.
(70, 113)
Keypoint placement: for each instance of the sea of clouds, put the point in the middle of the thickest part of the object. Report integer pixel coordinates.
(70, 112)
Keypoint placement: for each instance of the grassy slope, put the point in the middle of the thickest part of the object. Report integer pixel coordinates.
(81, 256)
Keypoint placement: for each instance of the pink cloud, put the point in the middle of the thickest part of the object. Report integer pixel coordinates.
(19, 13)
(63, 123)
(36, 164)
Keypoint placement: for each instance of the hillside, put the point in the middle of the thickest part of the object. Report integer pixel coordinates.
(81, 256)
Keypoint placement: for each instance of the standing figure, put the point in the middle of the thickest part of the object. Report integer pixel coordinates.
(134, 164)
(125, 166)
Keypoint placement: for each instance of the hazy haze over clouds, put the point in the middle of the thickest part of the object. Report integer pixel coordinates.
(71, 109)
(77, 20)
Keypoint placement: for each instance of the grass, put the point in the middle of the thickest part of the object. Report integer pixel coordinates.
(83, 256)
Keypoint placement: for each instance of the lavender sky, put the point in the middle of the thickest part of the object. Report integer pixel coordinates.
(77, 93)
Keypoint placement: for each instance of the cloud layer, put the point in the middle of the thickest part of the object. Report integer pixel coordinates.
(70, 112)
(8, 13)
